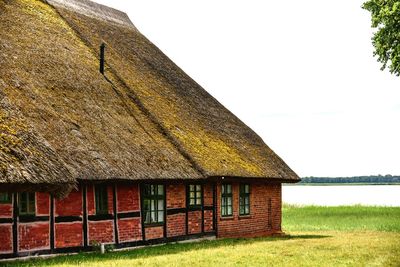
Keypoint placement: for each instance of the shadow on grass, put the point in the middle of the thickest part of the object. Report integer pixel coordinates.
(165, 249)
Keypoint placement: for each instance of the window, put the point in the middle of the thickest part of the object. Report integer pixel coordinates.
(244, 199)
(153, 204)
(5, 198)
(101, 196)
(194, 195)
(27, 203)
(226, 200)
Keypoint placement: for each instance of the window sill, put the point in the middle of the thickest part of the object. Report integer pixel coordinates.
(150, 225)
(226, 218)
(243, 217)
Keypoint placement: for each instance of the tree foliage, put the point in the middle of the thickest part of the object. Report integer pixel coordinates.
(386, 40)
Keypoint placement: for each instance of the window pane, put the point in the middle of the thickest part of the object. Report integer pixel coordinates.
(198, 201)
(229, 200)
(160, 216)
(198, 187)
(241, 210)
(247, 210)
(229, 210)
(198, 194)
(191, 201)
(191, 188)
(223, 189)
(247, 188)
(191, 194)
(5, 198)
(160, 190)
(31, 206)
(160, 204)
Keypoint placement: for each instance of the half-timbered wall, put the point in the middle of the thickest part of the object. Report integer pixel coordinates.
(71, 224)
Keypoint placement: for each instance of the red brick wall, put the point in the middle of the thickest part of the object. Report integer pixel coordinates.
(128, 198)
(208, 194)
(129, 229)
(5, 238)
(42, 204)
(6, 210)
(194, 222)
(34, 236)
(91, 208)
(101, 232)
(208, 221)
(68, 235)
(176, 224)
(154, 232)
(176, 196)
(70, 206)
(256, 224)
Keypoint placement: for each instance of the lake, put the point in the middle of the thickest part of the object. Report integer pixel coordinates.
(338, 195)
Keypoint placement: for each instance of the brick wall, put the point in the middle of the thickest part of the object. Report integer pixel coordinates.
(68, 235)
(176, 196)
(128, 198)
(257, 223)
(42, 204)
(154, 232)
(69, 206)
(129, 229)
(194, 222)
(6, 210)
(5, 238)
(101, 232)
(33, 236)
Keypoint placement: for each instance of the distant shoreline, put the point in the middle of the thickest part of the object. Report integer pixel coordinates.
(341, 184)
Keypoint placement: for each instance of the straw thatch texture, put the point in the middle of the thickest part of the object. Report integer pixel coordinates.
(26, 160)
(145, 120)
(52, 77)
(216, 140)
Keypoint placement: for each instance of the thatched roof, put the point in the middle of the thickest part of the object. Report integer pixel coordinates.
(146, 119)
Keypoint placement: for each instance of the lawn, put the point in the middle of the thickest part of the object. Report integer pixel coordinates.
(317, 236)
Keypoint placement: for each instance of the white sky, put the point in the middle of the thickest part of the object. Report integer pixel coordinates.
(299, 73)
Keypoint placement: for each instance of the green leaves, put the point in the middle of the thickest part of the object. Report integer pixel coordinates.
(385, 16)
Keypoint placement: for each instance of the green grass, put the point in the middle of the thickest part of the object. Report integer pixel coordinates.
(317, 236)
(343, 218)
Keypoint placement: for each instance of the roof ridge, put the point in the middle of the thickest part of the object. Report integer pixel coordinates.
(96, 10)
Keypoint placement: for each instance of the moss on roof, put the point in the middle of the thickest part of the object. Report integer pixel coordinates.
(146, 119)
(216, 140)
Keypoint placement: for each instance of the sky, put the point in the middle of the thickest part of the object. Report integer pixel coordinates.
(299, 73)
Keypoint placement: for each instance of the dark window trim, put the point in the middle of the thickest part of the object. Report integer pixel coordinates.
(195, 205)
(244, 195)
(28, 212)
(226, 195)
(156, 198)
(101, 204)
(7, 199)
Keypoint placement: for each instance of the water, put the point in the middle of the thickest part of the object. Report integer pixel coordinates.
(338, 195)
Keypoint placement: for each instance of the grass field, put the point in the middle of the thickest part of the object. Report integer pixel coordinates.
(317, 236)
